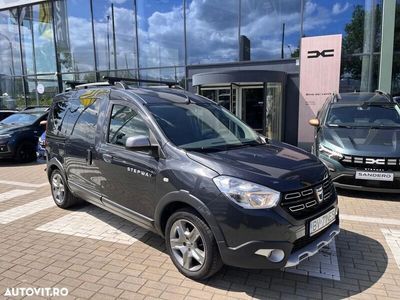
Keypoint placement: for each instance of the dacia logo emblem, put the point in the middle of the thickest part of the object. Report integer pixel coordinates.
(319, 192)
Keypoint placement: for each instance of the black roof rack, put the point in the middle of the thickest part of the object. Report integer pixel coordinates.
(113, 80)
(73, 83)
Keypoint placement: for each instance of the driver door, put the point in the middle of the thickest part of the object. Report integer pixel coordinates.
(130, 176)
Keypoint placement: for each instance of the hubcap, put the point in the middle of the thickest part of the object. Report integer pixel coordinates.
(187, 245)
(58, 188)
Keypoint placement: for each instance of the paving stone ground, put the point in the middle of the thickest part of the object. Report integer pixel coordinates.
(96, 255)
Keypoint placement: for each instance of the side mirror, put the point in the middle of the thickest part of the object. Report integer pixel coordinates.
(43, 123)
(314, 122)
(140, 143)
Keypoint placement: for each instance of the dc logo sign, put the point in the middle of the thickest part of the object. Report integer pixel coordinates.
(324, 53)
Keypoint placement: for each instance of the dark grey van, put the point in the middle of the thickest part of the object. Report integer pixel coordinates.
(184, 167)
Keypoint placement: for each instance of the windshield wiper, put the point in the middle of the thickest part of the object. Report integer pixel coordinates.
(339, 125)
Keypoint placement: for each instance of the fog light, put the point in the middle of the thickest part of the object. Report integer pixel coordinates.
(274, 255)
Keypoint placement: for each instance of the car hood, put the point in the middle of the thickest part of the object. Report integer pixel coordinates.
(275, 165)
(362, 141)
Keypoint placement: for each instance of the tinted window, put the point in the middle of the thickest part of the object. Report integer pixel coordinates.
(84, 127)
(125, 122)
(57, 116)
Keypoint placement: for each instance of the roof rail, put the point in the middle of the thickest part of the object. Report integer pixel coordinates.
(72, 83)
(92, 84)
(386, 95)
(113, 80)
(336, 97)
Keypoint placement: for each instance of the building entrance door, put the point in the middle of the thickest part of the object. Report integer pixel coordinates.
(257, 104)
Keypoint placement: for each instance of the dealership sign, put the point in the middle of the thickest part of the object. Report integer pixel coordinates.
(319, 78)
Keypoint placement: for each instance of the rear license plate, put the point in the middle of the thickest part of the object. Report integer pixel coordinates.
(322, 222)
(379, 176)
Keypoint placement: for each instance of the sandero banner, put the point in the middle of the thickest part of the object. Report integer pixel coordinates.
(319, 78)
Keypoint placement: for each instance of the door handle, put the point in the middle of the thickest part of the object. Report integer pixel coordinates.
(107, 158)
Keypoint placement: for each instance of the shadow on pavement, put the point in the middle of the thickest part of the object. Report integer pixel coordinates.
(368, 195)
(361, 261)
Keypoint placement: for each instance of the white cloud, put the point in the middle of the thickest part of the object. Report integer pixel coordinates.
(337, 8)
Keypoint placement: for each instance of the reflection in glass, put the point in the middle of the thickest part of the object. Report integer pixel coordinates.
(165, 74)
(74, 35)
(114, 24)
(41, 90)
(10, 60)
(273, 114)
(272, 26)
(212, 31)
(160, 30)
(37, 39)
(11, 92)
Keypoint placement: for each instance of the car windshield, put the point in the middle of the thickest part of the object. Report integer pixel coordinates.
(205, 127)
(367, 115)
(21, 118)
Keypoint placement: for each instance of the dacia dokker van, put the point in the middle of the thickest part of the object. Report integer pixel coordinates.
(184, 167)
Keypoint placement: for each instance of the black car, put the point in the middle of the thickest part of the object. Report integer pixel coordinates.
(19, 134)
(357, 136)
(4, 113)
(184, 167)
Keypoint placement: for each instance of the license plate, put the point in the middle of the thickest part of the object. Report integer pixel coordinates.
(322, 222)
(379, 176)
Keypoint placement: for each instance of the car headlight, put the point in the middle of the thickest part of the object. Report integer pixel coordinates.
(330, 153)
(247, 194)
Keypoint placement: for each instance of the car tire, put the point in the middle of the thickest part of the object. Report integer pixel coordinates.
(62, 196)
(191, 245)
(25, 153)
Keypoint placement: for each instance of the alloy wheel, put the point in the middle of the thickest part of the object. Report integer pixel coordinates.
(187, 245)
(58, 188)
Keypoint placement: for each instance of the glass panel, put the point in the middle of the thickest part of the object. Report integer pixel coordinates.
(359, 21)
(273, 107)
(37, 39)
(11, 92)
(125, 122)
(74, 35)
(396, 75)
(212, 31)
(397, 27)
(359, 73)
(222, 97)
(264, 21)
(161, 36)
(10, 59)
(253, 107)
(165, 74)
(41, 90)
(114, 23)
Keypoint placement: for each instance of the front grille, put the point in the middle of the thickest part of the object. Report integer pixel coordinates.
(375, 163)
(303, 203)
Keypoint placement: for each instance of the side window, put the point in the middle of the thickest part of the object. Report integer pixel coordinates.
(86, 123)
(125, 122)
(55, 126)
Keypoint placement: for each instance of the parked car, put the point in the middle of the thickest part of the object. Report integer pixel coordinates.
(4, 113)
(19, 134)
(357, 136)
(186, 168)
(41, 146)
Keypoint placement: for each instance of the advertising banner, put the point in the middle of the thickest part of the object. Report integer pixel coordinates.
(319, 78)
(13, 3)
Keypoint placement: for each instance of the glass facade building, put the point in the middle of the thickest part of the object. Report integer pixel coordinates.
(45, 43)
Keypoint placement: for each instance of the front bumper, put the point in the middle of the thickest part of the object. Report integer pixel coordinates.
(344, 177)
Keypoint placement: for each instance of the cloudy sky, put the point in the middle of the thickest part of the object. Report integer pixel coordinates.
(212, 31)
